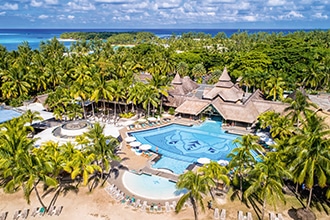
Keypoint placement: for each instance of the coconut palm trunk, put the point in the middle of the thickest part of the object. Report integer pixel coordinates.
(309, 198)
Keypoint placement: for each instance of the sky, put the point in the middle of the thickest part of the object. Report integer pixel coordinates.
(290, 14)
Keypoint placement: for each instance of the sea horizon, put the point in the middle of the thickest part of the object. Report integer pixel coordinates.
(11, 38)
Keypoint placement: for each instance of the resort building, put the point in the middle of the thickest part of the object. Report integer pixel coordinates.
(224, 99)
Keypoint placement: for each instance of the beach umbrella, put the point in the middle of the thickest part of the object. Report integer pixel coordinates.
(203, 160)
(135, 144)
(223, 162)
(145, 147)
(152, 119)
(166, 115)
(142, 120)
(130, 139)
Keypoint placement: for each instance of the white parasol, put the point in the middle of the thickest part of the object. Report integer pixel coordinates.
(166, 115)
(135, 144)
(145, 147)
(203, 160)
(130, 139)
(223, 162)
(141, 120)
(152, 119)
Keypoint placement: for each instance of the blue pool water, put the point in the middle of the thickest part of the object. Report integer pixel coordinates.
(182, 145)
(6, 115)
(150, 187)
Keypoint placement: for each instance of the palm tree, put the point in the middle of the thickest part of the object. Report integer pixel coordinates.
(312, 159)
(101, 90)
(300, 107)
(103, 147)
(267, 180)
(150, 97)
(15, 82)
(31, 116)
(216, 172)
(242, 159)
(197, 186)
(81, 92)
(118, 91)
(135, 93)
(198, 72)
(182, 68)
(275, 86)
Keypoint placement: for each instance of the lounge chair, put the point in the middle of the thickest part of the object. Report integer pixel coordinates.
(144, 206)
(167, 207)
(3, 215)
(42, 211)
(58, 210)
(240, 215)
(173, 205)
(216, 214)
(35, 212)
(223, 214)
(249, 216)
(137, 204)
(51, 210)
(17, 214)
(279, 216)
(272, 216)
(25, 213)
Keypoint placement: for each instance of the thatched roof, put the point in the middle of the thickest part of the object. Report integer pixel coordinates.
(225, 76)
(224, 80)
(192, 107)
(177, 80)
(235, 112)
(232, 94)
(322, 101)
(174, 100)
(182, 86)
(42, 100)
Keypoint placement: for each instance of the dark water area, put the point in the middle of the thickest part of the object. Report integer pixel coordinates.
(11, 38)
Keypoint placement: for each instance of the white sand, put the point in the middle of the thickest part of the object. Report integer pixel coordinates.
(85, 206)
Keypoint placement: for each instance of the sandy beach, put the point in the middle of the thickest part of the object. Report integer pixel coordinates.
(87, 206)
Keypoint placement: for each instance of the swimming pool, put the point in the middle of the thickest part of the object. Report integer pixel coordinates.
(182, 145)
(6, 115)
(150, 187)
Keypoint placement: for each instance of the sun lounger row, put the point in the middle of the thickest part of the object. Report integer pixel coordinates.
(23, 214)
(273, 216)
(241, 216)
(219, 216)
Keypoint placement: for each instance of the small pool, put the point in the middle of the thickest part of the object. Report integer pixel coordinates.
(183, 145)
(150, 187)
(6, 115)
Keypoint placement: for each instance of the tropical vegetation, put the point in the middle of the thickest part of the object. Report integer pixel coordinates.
(93, 73)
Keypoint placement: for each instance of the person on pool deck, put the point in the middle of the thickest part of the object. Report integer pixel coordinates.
(156, 149)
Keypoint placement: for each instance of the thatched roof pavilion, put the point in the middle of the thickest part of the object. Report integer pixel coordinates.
(224, 99)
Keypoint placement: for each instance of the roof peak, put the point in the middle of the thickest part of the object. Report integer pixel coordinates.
(177, 79)
(225, 76)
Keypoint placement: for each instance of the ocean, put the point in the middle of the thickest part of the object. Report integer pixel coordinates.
(12, 38)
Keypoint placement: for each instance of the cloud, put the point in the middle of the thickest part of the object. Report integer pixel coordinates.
(2, 13)
(116, 1)
(320, 15)
(81, 5)
(34, 3)
(51, 2)
(291, 14)
(70, 17)
(8, 6)
(276, 2)
(43, 16)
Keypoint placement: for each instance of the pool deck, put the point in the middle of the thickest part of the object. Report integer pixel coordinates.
(139, 164)
(130, 161)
